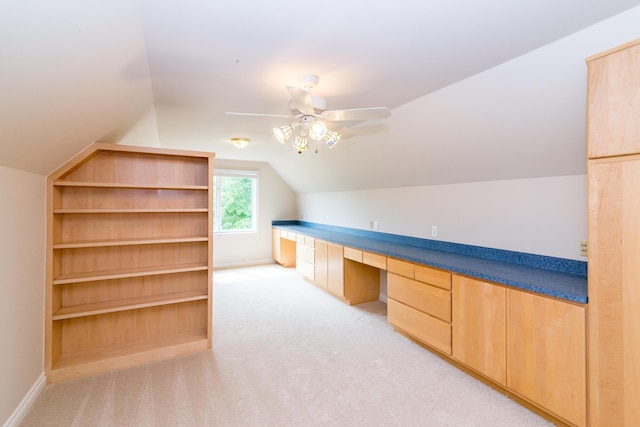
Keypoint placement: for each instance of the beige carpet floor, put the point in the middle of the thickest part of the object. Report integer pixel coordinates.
(285, 354)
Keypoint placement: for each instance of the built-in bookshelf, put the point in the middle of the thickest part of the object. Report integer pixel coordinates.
(129, 258)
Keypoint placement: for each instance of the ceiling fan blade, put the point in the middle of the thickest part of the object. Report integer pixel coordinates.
(357, 114)
(288, 116)
(357, 130)
(345, 133)
(302, 100)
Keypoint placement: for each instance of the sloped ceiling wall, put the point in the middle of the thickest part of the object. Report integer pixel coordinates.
(71, 73)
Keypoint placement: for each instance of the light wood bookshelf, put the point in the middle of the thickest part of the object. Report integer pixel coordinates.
(129, 258)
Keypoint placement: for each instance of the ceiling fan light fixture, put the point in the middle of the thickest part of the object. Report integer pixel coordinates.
(301, 143)
(283, 133)
(332, 138)
(240, 143)
(318, 131)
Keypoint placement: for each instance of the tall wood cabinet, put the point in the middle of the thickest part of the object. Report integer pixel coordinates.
(129, 258)
(614, 236)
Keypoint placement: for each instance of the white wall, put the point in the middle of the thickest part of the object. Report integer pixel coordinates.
(22, 278)
(276, 200)
(144, 132)
(545, 216)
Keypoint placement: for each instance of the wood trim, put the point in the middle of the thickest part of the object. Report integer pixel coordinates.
(612, 50)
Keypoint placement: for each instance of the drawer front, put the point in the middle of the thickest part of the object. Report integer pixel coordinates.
(425, 328)
(433, 276)
(431, 300)
(353, 254)
(402, 268)
(374, 260)
(288, 235)
(305, 253)
(309, 241)
(305, 268)
(300, 238)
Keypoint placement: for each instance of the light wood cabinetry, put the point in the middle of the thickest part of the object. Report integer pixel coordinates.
(335, 269)
(533, 345)
(305, 256)
(283, 249)
(418, 307)
(528, 346)
(546, 354)
(614, 236)
(129, 258)
(613, 91)
(479, 326)
(321, 263)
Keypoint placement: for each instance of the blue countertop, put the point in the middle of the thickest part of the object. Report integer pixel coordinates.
(556, 277)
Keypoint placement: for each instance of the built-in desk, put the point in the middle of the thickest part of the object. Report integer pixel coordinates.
(515, 321)
(556, 277)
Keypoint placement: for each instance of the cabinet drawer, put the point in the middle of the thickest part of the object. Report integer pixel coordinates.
(288, 235)
(402, 268)
(305, 268)
(309, 241)
(353, 254)
(305, 253)
(374, 260)
(427, 298)
(433, 276)
(425, 328)
(300, 238)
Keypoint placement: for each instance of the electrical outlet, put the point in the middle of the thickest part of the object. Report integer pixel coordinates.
(373, 225)
(434, 231)
(584, 249)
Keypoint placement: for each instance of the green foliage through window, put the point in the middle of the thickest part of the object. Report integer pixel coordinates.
(234, 202)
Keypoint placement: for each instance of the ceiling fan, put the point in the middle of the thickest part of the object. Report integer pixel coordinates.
(310, 118)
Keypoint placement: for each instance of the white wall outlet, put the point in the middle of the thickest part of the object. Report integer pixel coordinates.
(434, 231)
(373, 225)
(584, 248)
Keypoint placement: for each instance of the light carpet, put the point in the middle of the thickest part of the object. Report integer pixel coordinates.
(285, 353)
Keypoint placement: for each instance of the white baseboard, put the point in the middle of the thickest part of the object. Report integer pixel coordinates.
(383, 298)
(242, 264)
(26, 403)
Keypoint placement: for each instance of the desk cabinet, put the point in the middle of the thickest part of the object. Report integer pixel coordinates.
(546, 353)
(305, 256)
(479, 325)
(321, 263)
(417, 307)
(533, 345)
(283, 248)
(335, 269)
(529, 346)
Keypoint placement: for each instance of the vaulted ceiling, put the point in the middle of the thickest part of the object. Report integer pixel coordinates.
(478, 90)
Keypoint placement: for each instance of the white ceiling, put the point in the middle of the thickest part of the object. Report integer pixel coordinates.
(75, 72)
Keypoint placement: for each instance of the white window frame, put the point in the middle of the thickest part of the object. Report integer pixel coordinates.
(217, 219)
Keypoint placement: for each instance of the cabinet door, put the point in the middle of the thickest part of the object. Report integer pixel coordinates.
(478, 326)
(335, 269)
(546, 353)
(613, 108)
(276, 246)
(321, 263)
(614, 292)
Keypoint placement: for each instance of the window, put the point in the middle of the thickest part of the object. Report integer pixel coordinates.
(235, 201)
